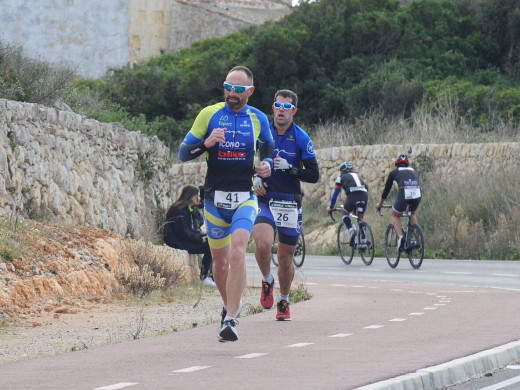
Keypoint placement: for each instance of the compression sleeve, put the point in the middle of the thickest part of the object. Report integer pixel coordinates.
(388, 184)
(190, 151)
(337, 190)
(311, 173)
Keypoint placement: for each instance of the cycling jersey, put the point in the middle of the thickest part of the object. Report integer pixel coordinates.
(404, 177)
(355, 188)
(297, 148)
(409, 189)
(230, 163)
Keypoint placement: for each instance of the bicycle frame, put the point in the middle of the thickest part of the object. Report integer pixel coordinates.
(413, 244)
(366, 250)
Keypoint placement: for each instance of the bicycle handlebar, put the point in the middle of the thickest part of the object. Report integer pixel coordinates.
(332, 211)
(385, 206)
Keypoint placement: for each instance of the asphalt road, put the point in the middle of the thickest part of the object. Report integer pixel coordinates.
(363, 327)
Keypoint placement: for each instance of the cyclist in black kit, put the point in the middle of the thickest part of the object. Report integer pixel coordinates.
(356, 190)
(409, 195)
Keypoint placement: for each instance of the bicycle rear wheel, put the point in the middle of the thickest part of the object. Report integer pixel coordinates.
(416, 249)
(299, 253)
(391, 250)
(366, 252)
(345, 250)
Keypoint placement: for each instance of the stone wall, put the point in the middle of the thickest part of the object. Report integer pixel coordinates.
(58, 165)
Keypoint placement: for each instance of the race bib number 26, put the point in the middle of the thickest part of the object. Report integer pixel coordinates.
(285, 213)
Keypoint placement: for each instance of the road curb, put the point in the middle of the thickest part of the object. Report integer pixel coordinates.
(453, 372)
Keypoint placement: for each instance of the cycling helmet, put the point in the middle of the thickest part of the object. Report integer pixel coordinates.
(402, 160)
(346, 166)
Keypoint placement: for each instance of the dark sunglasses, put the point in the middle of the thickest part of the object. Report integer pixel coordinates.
(286, 106)
(236, 88)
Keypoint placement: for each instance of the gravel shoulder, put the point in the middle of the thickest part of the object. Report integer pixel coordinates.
(82, 324)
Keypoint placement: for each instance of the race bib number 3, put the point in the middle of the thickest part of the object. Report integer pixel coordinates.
(285, 213)
(230, 200)
(412, 192)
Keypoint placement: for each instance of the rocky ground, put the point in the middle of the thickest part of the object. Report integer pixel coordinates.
(80, 323)
(58, 294)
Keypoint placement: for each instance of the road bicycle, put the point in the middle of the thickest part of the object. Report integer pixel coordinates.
(412, 245)
(365, 249)
(299, 252)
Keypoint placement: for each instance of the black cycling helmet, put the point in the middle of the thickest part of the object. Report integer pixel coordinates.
(402, 161)
(347, 166)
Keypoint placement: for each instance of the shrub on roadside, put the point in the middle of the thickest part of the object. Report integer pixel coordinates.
(152, 268)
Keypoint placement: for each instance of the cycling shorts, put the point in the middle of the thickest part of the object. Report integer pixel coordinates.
(355, 197)
(401, 203)
(221, 223)
(286, 235)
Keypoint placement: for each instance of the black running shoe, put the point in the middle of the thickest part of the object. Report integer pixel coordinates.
(228, 331)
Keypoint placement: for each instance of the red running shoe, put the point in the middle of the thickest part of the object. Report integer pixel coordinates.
(266, 297)
(283, 311)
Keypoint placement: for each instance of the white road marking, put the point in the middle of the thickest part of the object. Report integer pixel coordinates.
(190, 369)
(373, 326)
(429, 308)
(458, 273)
(299, 345)
(503, 384)
(506, 275)
(117, 386)
(514, 367)
(341, 335)
(311, 283)
(415, 314)
(396, 289)
(338, 285)
(439, 304)
(397, 319)
(250, 356)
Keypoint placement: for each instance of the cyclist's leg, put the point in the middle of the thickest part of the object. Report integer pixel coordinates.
(398, 208)
(348, 207)
(414, 204)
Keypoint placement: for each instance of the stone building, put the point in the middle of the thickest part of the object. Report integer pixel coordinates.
(93, 36)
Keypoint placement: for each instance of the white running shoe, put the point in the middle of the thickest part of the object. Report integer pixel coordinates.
(208, 281)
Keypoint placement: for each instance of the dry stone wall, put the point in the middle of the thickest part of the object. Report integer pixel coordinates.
(62, 166)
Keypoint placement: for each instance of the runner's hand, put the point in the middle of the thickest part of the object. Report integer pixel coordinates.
(258, 183)
(281, 164)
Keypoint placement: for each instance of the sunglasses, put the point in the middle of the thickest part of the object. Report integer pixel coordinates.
(286, 106)
(236, 88)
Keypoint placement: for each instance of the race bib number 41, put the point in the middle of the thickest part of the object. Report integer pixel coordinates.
(230, 200)
(285, 213)
(412, 192)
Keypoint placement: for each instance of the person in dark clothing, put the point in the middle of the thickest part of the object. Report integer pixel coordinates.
(183, 229)
(356, 190)
(408, 197)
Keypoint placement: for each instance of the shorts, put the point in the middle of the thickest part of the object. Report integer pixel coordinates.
(286, 235)
(355, 197)
(221, 223)
(401, 203)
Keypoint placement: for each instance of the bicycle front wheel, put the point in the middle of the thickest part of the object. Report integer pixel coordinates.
(391, 250)
(366, 251)
(416, 246)
(345, 250)
(299, 253)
